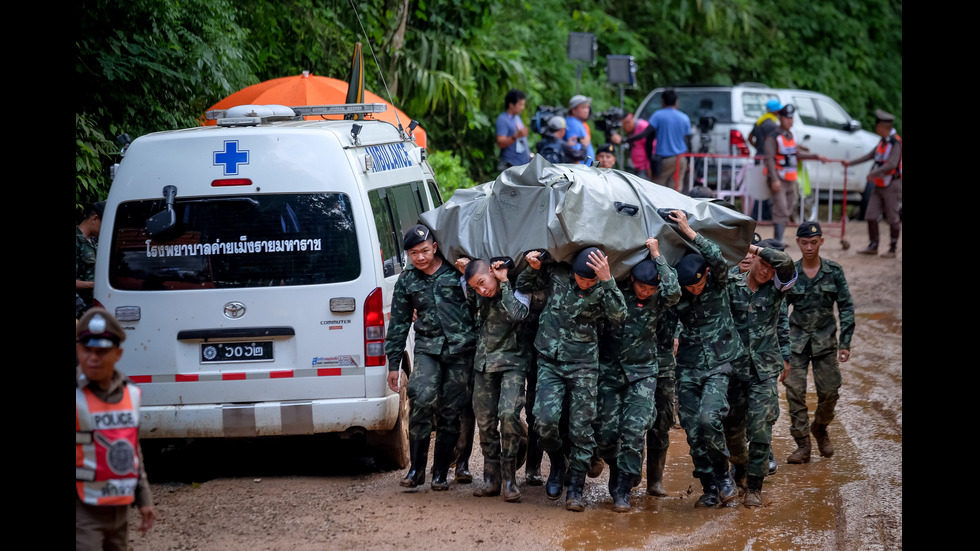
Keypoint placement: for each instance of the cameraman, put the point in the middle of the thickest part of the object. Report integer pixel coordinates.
(638, 136)
(577, 132)
(511, 132)
(553, 146)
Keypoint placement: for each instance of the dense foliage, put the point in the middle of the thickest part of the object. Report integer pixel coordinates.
(150, 65)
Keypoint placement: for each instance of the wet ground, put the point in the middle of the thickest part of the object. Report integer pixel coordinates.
(323, 493)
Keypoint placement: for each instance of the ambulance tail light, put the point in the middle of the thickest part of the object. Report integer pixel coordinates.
(374, 329)
(737, 143)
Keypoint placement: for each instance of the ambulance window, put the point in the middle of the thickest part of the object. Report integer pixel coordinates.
(434, 192)
(237, 242)
(384, 222)
(407, 206)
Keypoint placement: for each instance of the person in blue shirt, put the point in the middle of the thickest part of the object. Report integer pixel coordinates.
(511, 132)
(673, 131)
(577, 132)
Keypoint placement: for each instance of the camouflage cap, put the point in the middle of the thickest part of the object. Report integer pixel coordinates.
(98, 329)
(691, 269)
(646, 272)
(809, 229)
(417, 234)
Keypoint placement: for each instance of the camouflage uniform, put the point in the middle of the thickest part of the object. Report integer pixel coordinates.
(752, 392)
(567, 345)
(85, 250)
(628, 373)
(709, 344)
(499, 368)
(813, 339)
(658, 437)
(444, 341)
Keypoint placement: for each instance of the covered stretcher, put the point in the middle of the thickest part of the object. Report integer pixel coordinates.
(563, 208)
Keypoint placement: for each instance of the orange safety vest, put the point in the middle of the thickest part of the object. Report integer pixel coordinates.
(882, 152)
(786, 165)
(106, 442)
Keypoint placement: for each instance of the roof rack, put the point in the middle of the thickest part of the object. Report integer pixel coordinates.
(251, 115)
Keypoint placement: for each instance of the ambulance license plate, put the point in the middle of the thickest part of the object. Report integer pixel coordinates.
(257, 351)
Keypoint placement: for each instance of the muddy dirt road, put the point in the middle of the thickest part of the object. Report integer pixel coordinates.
(324, 494)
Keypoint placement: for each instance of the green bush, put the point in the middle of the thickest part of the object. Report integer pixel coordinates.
(449, 172)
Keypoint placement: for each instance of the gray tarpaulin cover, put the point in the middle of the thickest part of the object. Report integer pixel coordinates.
(563, 208)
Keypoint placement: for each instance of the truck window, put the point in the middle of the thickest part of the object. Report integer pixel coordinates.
(237, 242)
(754, 104)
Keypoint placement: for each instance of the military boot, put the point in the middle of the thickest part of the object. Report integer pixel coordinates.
(491, 479)
(655, 472)
(802, 452)
(823, 440)
(739, 474)
(573, 496)
(873, 237)
(773, 466)
(726, 487)
(613, 476)
(893, 241)
(709, 495)
(532, 469)
(556, 479)
(595, 469)
(508, 472)
(418, 449)
(753, 492)
(440, 461)
(463, 450)
(624, 484)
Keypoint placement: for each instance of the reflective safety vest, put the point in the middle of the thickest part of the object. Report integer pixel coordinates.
(106, 439)
(786, 164)
(882, 152)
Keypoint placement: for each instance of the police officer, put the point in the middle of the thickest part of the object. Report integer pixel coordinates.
(499, 373)
(707, 347)
(885, 181)
(581, 294)
(109, 473)
(756, 300)
(439, 386)
(813, 339)
(782, 154)
(628, 372)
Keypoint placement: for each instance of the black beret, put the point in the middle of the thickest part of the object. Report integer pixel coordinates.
(646, 272)
(605, 148)
(579, 266)
(809, 229)
(756, 238)
(772, 244)
(691, 269)
(416, 235)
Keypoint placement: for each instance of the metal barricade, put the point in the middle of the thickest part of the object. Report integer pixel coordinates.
(740, 181)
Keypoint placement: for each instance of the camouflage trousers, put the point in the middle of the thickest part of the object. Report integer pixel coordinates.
(498, 399)
(438, 390)
(626, 411)
(827, 380)
(580, 382)
(702, 404)
(658, 437)
(754, 408)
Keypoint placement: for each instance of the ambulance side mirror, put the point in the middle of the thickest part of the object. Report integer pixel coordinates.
(162, 222)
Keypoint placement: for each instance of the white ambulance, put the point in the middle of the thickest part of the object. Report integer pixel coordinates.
(252, 263)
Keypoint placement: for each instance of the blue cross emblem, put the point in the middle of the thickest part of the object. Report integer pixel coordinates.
(231, 157)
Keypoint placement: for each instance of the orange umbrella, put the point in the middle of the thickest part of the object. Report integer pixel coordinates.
(307, 89)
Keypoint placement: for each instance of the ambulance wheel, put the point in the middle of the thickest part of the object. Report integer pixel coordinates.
(390, 447)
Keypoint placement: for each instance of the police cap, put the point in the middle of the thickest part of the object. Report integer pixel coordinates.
(646, 272)
(98, 329)
(580, 266)
(787, 110)
(809, 229)
(605, 148)
(884, 116)
(691, 269)
(416, 235)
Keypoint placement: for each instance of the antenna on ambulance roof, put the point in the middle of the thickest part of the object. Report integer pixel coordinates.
(378, 65)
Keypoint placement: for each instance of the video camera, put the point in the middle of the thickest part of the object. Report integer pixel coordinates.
(539, 122)
(609, 121)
